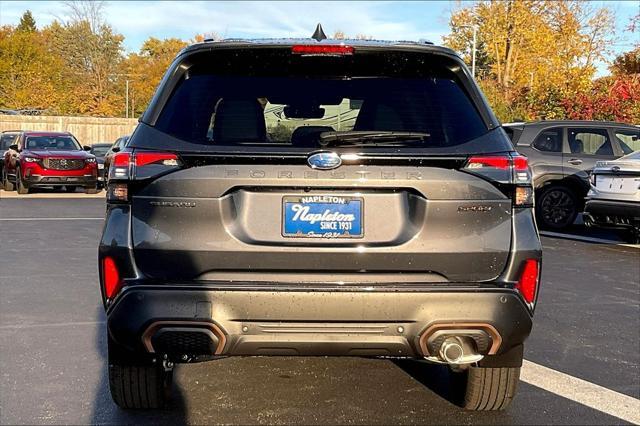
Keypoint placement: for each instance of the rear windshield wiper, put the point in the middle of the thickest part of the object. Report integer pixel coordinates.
(364, 138)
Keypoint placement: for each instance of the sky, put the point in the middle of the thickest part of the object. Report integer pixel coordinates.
(413, 20)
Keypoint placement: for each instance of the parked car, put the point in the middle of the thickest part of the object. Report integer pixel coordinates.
(118, 145)
(614, 198)
(7, 138)
(248, 216)
(561, 155)
(100, 150)
(56, 159)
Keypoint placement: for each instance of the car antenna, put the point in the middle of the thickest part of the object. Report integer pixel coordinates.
(318, 34)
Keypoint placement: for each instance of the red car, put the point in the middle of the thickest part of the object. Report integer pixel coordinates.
(39, 159)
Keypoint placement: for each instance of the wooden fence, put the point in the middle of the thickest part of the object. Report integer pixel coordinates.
(88, 130)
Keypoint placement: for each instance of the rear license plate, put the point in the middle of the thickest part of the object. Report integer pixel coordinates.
(322, 216)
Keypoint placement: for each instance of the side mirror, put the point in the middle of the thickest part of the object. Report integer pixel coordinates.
(86, 148)
(115, 149)
(14, 147)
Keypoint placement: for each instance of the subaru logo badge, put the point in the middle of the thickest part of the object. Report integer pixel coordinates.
(324, 160)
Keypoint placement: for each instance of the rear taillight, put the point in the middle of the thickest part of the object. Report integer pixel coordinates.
(134, 166)
(111, 279)
(322, 50)
(511, 170)
(527, 285)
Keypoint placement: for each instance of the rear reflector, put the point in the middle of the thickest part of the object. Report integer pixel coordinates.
(110, 277)
(326, 49)
(528, 283)
(523, 196)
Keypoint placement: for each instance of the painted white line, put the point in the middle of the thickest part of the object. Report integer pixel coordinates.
(54, 324)
(17, 219)
(591, 395)
(587, 239)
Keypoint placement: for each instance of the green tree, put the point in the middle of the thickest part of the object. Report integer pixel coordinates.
(92, 53)
(27, 23)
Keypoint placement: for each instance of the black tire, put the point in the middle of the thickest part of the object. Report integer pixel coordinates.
(139, 386)
(487, 389)
(137, 382)
(556, 207)
(20, 186)
(70, 188)
(6, 185)
(632, 236)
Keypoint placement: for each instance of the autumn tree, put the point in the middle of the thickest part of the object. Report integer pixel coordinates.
(146, 68)
(92, 52)
(533, 52)
(30, 75)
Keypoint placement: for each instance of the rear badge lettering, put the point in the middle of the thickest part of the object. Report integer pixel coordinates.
(479, 209)
(183, 204)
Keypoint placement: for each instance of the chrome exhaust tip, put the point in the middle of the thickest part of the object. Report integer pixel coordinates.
(452, 351)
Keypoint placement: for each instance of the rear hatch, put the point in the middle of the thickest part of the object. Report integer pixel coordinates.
(618, 180)
(365, 165)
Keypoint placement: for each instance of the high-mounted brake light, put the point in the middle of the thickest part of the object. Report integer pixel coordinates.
(528, 283)
(110, 277)
(324, 49)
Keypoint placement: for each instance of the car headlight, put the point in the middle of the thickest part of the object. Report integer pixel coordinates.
(30, 159)
(90, 160)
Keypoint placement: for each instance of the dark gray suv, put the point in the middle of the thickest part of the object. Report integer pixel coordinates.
(561, 155)
(319, 198)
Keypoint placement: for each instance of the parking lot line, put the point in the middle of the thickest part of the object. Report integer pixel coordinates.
(591, 395)
(586, 239)
(18, 219)
(52, 324)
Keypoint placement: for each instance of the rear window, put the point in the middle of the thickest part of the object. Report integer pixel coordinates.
(241, 98)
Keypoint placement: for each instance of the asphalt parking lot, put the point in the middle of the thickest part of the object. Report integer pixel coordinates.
(583, 355)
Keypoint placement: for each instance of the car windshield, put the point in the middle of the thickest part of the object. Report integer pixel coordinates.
(395, 99)
(100, 151)
(52, 143)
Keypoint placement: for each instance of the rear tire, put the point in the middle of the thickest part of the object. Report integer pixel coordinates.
(556, 207)
(6, 185)
(633, 236)
(139, 387)
(136, 382)
(20, 186)
(487, 389)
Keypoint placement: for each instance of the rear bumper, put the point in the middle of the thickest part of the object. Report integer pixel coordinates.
(612, 213)
(314, 322)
